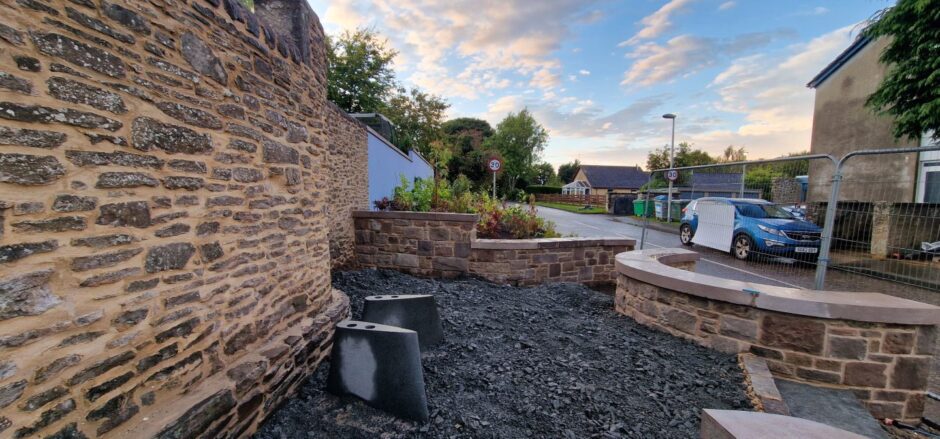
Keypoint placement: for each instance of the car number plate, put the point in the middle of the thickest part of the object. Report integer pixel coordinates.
(807, 249)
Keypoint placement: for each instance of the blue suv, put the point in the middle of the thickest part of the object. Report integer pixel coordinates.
(760, 228)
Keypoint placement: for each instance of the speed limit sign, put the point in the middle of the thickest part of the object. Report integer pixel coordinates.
(672, 175)
(494, 164)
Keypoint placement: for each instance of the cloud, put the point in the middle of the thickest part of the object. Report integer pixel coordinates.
(444, 40)
(725, 6)
(770, 92)
(584, 72)
(656, 23)
(686, 54)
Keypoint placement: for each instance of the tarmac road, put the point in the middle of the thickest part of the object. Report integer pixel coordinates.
(777, 271)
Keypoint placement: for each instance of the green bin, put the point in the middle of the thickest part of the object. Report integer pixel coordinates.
(677, 206)
(640, 207)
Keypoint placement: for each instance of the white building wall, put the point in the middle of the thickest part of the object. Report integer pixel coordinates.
(387, 164)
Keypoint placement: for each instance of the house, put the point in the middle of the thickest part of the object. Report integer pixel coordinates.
(609, 180)
(843, 124)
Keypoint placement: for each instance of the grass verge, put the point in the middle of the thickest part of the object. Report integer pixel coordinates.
(572, 208)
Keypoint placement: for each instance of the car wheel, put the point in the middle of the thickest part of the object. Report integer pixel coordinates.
(685, 234)
(741, 248)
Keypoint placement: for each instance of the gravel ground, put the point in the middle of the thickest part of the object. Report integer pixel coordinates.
(550, 361)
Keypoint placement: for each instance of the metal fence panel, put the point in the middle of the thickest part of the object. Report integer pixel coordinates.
(852, 224)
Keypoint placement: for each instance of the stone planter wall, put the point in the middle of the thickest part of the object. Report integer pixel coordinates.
(535, 261)
(876, 345)
(421, 244)
(444, 245)
(166, 207)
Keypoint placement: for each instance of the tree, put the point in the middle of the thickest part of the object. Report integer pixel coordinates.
(685, 156)
(418, 117)
(568, 171)
(520, 140)
(733, 155)
(466, 136)
(910, 92)
(360, 76)
(544, 173)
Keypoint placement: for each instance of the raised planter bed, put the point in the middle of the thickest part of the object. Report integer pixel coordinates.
(445, 245)
(879, 346)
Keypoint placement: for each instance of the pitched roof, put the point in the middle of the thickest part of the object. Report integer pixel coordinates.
(622, 177)
(840, 60)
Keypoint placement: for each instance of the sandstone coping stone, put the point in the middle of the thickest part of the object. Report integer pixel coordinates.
(421, 216)
(733, 424)
(653, 266)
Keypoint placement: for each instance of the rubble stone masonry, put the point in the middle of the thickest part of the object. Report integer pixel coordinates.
(445, 245)
(886, 365)
(172, 186)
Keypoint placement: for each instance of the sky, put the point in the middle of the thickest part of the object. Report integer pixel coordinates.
(599, 74)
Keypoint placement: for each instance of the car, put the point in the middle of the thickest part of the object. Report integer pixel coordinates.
(761, 228)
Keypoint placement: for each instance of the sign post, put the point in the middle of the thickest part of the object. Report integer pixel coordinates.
(672, 175)
(494, 164)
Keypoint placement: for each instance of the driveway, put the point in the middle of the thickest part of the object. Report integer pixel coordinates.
(780, 272)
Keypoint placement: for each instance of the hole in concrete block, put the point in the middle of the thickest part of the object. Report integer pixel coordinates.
(351, 325)
(370, 327)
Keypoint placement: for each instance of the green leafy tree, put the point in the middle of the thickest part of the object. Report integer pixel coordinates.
(685, 156)
(418, 117)
(466, 136)
(731, 154)
(544, 174)
(520, 139)
(360, 76)
(910, 92)
(568, 171)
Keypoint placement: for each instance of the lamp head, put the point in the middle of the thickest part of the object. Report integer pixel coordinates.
(669, 116)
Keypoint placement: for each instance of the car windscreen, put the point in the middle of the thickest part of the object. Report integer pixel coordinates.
(762, 211)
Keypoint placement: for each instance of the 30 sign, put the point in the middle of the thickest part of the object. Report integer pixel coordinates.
(672, 175)
(494, 164)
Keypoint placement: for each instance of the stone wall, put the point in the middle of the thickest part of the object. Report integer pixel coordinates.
(445, 245)
(164, 241)
(421, 244)
(348, 167)
(885, 364)
(535, 261)
(786, 190)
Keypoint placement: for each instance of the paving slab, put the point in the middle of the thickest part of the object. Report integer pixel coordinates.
(834, 407)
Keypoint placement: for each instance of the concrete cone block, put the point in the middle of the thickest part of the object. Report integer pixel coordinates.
(381, 365)
(417, 312)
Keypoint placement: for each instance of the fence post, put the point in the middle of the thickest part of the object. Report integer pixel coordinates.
(743, 174)
(646, 207)
(823, 261)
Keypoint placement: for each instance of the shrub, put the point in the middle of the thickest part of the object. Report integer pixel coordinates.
(497, 219)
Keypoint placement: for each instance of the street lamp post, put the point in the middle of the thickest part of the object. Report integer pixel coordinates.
(672, 154)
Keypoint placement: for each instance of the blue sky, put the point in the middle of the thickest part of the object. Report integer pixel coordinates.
(599, 74)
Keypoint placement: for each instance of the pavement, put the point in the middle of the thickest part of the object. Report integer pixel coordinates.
(836, 407)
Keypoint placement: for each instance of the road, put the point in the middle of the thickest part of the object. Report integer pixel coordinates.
(779, 271)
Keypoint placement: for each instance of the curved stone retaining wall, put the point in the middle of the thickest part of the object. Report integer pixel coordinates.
(876, 345)
(445, 245)
(166, 214)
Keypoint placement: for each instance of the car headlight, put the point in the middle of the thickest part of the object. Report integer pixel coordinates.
(770, 230)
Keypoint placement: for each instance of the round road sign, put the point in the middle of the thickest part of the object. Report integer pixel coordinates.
(672, 175)
(494, 164)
